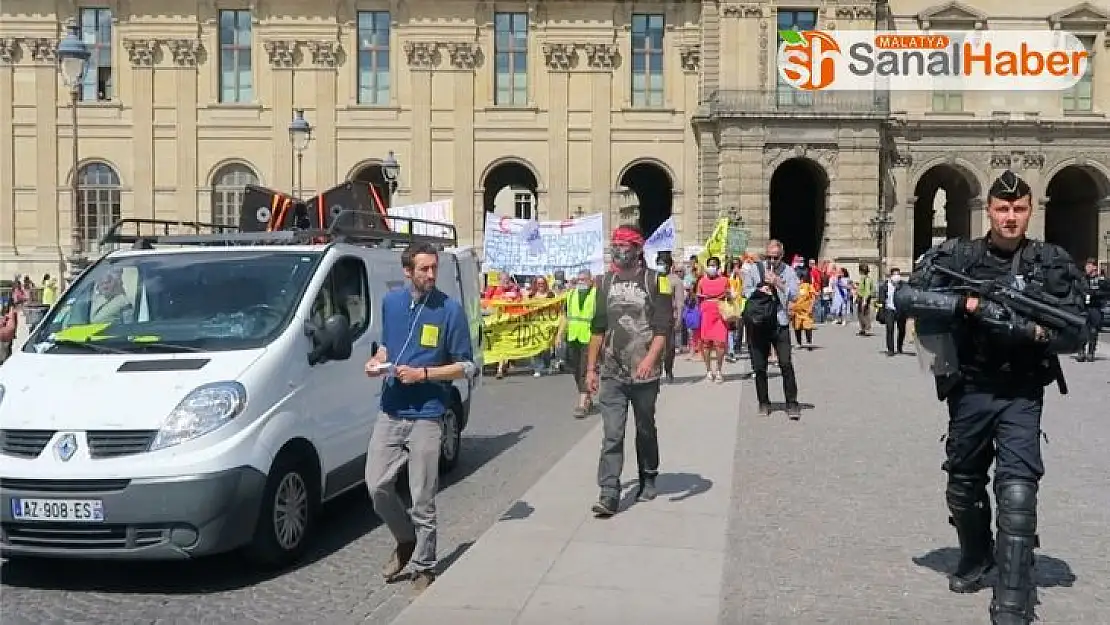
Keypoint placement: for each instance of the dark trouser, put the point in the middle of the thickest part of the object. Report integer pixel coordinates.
(894, 321)
(863, 314)
(576, 359)
(668, 352)
(739, 337)
(614, 398)
(760, 343)
(799, 333)
(986, 427)
(1094, 324)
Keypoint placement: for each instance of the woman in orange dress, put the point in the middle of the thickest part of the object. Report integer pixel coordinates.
(801, 310)
(713, 289)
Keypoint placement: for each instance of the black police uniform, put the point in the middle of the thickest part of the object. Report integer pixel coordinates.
(995, 401)
(1098, 293)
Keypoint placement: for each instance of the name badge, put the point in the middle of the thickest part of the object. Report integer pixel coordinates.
(429, 335)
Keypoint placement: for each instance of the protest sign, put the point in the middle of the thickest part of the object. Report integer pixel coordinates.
(567, 246)
(662, 240)
(440, 211)
(519, 330)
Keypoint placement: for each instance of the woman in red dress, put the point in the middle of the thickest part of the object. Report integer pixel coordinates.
(712, 290)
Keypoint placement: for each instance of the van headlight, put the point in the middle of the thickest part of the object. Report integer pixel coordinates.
(207, 408)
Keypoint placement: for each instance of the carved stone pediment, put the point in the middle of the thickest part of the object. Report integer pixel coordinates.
(140, 52)
(184, 51)
(281, 53)
(422, 55)
(560, 57)
(601, 55)
(855, 12)
(324, 53)
(952, 14)
(1081, 18)
(464, 54)
(742, 10)
(9, 48)
(43, 50)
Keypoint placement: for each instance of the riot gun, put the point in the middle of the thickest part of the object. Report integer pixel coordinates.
(1030, 302)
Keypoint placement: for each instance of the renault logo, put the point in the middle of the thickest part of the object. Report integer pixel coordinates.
(66, 447)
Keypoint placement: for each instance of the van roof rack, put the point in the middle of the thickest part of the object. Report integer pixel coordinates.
(370, 229)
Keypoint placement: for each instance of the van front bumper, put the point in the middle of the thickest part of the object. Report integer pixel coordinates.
(144, 519)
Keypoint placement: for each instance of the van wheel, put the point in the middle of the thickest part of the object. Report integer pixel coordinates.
(288, 513)
(452, 440)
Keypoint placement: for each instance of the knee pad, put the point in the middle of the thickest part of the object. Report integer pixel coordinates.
(966, 492)
(1017, 507)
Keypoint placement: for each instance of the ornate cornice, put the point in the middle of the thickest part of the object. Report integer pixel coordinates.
(560, 57)
(463, 54)
(282, 53)
(690, 57)
(601, 55)
(43, 49)
(141, 52)
(324, 53)
(743, 10)
(422, 55)
(9, 48)
(855, 12)
(184, 51)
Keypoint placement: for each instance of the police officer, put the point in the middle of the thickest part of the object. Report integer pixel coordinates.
(995, 392)
(1098, 293)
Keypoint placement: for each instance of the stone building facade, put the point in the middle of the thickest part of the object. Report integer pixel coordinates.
(546, 107)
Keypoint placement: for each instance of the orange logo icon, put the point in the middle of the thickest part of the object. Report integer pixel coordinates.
(807, 59)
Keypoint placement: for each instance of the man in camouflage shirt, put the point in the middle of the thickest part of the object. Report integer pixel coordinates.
(629, 335)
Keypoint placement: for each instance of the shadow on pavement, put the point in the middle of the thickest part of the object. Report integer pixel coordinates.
(518, 511)
(673, 486)
(342, 521)
(1048, 572)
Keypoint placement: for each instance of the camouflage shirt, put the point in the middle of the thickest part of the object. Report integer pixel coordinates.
(633, 307)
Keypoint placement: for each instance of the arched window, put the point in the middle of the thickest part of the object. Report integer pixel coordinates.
(228, 185)
(98, 201)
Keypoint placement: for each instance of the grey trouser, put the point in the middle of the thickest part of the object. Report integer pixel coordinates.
(393, 443)
(613, 399)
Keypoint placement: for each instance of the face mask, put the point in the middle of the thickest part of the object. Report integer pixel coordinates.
(624, 257)
(712, 271)
(896, 278)
(584, 287)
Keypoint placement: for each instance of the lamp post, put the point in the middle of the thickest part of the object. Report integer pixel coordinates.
(1106, 239)
(391, 171)
(300, 133)
(73, 57)
(880, 227)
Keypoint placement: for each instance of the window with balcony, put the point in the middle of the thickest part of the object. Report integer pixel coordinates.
(790, 19)
(510, 50)
(96, 32)
(373, 57)
(647, 60)
(1077, 99)
(236, 78)
(522, 204)
(948, 101)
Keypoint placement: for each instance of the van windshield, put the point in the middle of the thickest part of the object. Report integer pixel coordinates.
(180, 302)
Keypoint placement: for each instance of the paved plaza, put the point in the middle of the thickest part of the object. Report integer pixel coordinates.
(838, 518)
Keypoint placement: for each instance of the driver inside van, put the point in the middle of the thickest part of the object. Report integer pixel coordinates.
(110, 303)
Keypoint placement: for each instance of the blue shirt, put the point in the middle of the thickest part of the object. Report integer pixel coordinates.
(788, 292)
(430, 332)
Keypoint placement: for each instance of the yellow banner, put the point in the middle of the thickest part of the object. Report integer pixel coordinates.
(716, 244)
(520, 330)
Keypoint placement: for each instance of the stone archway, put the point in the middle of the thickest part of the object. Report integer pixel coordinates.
(654, 191)
(1073, 199)
(510, 189)
(947, 196)
(373, 175)
(799, 193)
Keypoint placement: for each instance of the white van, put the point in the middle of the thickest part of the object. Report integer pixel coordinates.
(204, 393)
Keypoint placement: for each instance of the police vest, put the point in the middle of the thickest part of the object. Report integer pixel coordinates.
(579, 315)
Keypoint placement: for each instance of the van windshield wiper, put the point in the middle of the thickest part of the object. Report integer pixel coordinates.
(87, 345)
(166, 347)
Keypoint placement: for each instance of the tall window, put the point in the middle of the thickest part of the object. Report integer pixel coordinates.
(236, 79)
(96, 32)
(948, 101)
(228, 187)
(647, 60)
(793, 20)
(373, 57)
(98, 201)
(1078, 97)
(510, 48)
(522, 204)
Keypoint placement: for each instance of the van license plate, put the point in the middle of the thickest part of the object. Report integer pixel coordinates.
(80, 510)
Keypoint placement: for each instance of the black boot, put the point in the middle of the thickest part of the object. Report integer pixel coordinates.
(971, 516)
(647, 491)
(1014, 592)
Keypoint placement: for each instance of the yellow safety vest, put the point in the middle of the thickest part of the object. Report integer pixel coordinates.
(579, 316)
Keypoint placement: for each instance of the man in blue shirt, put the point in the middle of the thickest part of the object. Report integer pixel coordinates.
(779, 280)
(425, 344)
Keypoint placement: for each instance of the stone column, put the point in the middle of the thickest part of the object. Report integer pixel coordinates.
(324, 56)
(8, 51)
(47, 102)
(464, 57)
(183, 53)
(424, 58)
(140, 53)
(900, 247)
(282, 54)
(599, 59)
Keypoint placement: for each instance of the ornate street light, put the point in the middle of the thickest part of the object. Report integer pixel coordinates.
(300, 134)
(880, 226)
(391, 171)
(73, 58)
(1106, 239)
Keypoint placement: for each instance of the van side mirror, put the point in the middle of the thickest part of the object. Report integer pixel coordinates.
(332, 341)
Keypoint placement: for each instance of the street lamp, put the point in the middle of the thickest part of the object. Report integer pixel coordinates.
(300, 133)
(880, 227)
(73, 57)
(391, 171)
(1106, 239)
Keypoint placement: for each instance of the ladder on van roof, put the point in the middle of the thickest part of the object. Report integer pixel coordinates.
(357, 227)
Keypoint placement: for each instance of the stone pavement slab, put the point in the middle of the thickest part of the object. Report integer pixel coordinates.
(656, 562)
(840, 518)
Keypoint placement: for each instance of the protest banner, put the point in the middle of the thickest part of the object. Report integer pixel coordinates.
(662, 240)
(520, 330)
(566, 246)
(440, 211)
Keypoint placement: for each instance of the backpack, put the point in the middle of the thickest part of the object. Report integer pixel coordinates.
(761, 309)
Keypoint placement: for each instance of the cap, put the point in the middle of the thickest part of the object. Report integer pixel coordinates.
(1009, 187)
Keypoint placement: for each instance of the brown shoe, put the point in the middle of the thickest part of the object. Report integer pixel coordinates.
(421, 580)
(397, 563)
